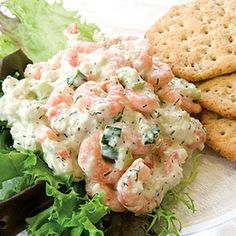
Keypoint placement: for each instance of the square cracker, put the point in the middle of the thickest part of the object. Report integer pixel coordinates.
(221, 134)
(219, 95)
(197, 39)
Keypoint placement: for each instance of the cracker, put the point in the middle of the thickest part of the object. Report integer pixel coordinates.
(219, 95)
(197, 39)
(221, 134)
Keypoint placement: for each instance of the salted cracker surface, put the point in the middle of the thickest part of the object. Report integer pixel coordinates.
(198, 39)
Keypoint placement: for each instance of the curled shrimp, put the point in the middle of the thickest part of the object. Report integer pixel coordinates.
(135, 188)
(59, 98)
(92, 163)
(44, 132)
(105, 100)
(70, 57)
(142, 63)
(144, 100)
(200, 135)
(135, 43)
(90, 89)
(169, 94)
(72, 28)
(110, 195)
(85, 47)
(55, 62)
(159, 75)
(33, 71)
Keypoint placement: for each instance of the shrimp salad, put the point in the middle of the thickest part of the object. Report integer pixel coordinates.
(108, 112)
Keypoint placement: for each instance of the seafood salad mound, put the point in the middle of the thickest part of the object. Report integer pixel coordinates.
(110, 113)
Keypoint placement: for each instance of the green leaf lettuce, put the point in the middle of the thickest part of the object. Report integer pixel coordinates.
(38, 29)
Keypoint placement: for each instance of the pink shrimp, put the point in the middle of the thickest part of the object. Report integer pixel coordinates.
(55, 62)
(92, 163)
(58, 99)
(63, 154)
(110, 195)
(91, 95)
(159, 75)
(113, 88)
(116, 96)
(136, 43)
(89, 88)
(86, 47)
(33, 71)
(200, 139)
(142, 63)
(70, 57)
(44, 132)
(145, 101)
(136, 188)
(72, 28)
(169, 94)
(169, 163)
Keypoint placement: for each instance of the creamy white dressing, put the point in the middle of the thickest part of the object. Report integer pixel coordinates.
(42, 101)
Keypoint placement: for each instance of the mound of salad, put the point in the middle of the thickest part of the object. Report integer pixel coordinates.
(108, 120)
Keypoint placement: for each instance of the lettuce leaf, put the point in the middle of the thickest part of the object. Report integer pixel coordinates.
(70, 214)
(38, 29)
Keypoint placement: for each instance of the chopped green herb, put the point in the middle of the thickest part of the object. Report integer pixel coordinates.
(118, 117)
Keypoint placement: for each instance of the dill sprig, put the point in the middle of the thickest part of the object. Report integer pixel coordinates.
(163, 219)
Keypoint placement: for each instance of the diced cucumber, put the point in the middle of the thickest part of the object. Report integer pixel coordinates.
(128, 160)
(130, 78)
(109, 141)
(78, 79)
(150, 136)
(42, 90)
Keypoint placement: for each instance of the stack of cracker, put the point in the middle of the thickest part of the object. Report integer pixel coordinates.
(199, 41)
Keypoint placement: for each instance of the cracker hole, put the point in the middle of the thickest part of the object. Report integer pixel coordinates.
(222, 133)
(187, 49)
(213, 58)
(164, 43)
(219, 3)
(209, 21)
(209, 44)
(206, 90)
(229, 86)
(167, 57)
(226, 25)
(192, 64)
(229, 51)
(181, 25)
(183, 37)
(205, 31)
(230, 39)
